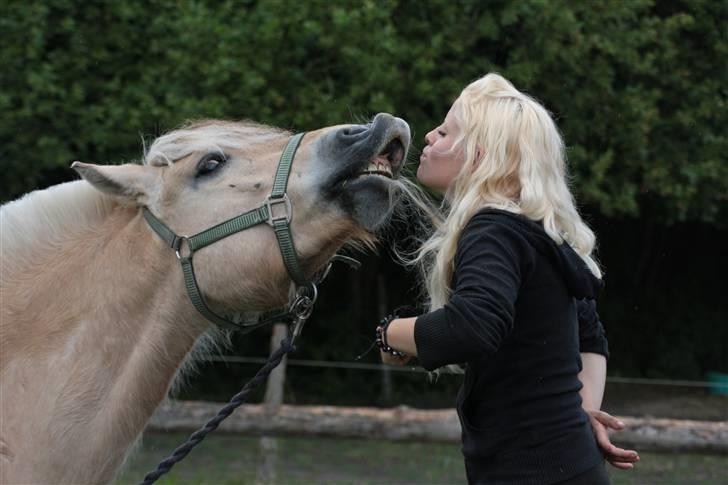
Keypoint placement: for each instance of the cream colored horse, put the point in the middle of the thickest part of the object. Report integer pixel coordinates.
(95, 318)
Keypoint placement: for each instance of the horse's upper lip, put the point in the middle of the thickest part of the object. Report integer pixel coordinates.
(375, 151)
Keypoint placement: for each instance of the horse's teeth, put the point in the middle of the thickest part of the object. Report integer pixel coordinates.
(376, 166)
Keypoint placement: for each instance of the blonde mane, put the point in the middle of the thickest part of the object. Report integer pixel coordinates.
(41, 221)
(207, 135)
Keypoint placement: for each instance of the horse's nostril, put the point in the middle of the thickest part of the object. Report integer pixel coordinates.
(352, 131)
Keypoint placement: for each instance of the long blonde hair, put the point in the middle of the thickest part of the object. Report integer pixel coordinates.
(514, 161)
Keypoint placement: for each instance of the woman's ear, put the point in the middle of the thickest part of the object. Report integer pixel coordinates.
(132, 182)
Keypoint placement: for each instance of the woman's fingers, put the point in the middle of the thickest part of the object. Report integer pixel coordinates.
(602, 437)
(620, 465)
(607, 420)
(617, 457)
(627, 456)
(625, 463)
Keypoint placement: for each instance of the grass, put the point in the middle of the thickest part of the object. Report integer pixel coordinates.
(230, 459)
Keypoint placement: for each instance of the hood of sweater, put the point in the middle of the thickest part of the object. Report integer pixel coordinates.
(580, 281)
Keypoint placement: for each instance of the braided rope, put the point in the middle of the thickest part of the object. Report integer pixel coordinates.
(238, 399)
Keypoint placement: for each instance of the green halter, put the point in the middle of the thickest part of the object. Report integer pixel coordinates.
(278, 218)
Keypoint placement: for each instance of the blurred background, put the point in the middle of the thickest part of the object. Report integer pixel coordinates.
(638, 88)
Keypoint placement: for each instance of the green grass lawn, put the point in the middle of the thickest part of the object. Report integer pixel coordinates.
(231, 459)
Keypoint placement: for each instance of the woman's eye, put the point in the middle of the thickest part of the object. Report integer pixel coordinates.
(209, 163)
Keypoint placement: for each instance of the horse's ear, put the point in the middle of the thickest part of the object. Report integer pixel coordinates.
(129, 181)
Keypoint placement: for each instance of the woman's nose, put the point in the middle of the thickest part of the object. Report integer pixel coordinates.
(428, 137)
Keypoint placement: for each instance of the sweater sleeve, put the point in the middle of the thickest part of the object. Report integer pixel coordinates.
(591, 332)
(480, 313)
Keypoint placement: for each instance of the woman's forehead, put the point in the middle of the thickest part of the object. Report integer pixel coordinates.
(452, 117)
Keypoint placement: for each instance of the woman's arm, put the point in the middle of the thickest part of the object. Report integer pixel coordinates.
(593, 376)
(401, 336)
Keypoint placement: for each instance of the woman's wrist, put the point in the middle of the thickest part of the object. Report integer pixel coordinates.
(382, 340)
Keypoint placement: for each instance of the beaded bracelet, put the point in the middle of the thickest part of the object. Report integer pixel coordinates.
(381, 337)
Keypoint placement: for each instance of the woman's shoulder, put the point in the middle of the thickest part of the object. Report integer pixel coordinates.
(491, 215)
(504, 223)
(491, 229)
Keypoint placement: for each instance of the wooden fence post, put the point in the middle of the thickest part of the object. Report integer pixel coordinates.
(271, 404)
(382, 309)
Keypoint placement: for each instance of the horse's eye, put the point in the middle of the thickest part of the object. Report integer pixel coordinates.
(209, 163)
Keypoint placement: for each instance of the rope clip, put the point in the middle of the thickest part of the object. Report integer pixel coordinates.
(301, 308)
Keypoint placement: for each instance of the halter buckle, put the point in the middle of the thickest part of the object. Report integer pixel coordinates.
(271, 202)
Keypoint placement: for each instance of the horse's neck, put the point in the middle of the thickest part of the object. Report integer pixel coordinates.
(95, 337)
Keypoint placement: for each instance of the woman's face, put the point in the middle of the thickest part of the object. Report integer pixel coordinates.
(439, 163)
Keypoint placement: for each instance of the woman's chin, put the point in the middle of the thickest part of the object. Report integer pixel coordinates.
(422, 176)
(430, 184)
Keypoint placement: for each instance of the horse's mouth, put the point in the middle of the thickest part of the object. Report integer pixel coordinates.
(387, 163)
(370, 158)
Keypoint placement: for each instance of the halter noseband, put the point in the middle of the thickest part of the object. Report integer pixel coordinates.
(276, 212)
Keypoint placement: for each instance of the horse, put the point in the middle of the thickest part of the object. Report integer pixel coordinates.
(95, 319)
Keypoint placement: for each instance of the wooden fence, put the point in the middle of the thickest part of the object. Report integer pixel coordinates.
(408, 424)
(273, 418)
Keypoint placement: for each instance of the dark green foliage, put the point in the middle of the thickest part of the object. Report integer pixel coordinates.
(638, 88)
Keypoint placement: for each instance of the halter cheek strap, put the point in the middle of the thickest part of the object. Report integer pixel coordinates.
(276, 212)
(281, 224)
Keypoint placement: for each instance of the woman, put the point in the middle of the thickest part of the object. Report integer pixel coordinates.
(512, 281)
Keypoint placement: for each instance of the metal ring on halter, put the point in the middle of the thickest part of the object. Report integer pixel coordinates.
(310, 291)
(178, 247)
(302, 306)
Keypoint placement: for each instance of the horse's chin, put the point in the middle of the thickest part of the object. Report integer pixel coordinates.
(369, 201)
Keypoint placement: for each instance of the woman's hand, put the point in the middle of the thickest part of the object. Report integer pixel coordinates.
(593, 376)
(393, 360)
(617, 457)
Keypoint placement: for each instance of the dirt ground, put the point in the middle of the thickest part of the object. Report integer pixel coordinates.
(230, 459)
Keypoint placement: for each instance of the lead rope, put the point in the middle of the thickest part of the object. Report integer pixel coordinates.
(301, 310)
(238, 399)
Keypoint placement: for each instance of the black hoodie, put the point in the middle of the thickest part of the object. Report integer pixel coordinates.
(522, 308)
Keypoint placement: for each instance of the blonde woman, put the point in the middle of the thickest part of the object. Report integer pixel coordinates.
(512, 281)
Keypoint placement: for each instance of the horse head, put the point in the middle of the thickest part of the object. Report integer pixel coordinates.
(341, 188)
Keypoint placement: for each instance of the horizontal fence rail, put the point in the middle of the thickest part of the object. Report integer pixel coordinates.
(413, 369)
(403, 423)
